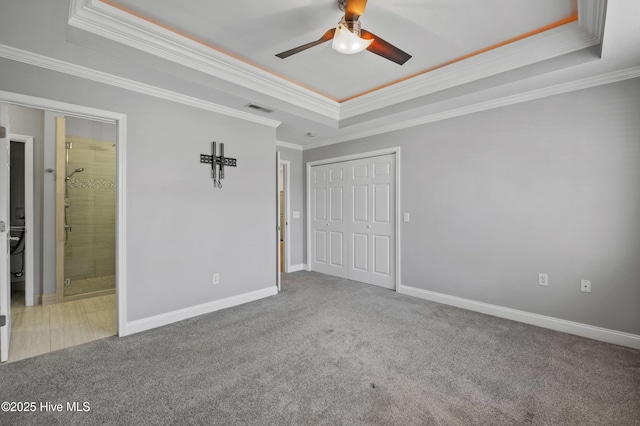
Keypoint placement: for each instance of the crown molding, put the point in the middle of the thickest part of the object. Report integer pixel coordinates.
(57, 65)
(571, 86)
(107, 21)
(568, 38)
(110, 22)
(289, 145)
(591, 17)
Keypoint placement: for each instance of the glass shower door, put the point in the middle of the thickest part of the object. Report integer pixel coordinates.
(89, 217)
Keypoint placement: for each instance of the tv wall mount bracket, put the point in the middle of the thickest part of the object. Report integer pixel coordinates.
(217, 163)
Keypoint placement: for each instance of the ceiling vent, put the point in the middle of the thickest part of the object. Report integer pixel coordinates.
(259, 108)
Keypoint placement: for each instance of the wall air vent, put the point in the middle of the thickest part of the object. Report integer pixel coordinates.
(259, 108)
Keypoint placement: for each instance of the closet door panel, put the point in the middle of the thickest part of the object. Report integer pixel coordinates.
(382, 203)
(383, 223)
(360, 253)
(381, 255)
(320, 238)
(328, 224)
(354, 220)
(337, 249)
(320, 196)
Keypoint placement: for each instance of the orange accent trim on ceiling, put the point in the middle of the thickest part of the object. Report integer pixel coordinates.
(214, 47)
(571, 18)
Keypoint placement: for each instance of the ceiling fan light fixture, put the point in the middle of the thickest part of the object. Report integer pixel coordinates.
(348, 41)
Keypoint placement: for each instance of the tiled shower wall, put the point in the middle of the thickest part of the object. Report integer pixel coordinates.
(90, 247)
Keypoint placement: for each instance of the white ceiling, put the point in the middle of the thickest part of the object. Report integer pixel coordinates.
(341, 97)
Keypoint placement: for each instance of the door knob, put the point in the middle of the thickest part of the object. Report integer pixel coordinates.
(368, 226)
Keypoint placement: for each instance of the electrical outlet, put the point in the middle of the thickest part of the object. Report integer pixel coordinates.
(585, 286)
(216, 278)
(543, 279)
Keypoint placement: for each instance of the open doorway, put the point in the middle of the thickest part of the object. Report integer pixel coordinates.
(50, 326)
(22, 216)
(283, 220)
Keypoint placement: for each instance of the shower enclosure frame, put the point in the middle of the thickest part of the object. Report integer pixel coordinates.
(95, 273)
(67, 177)
(63, 226)
(60, 203)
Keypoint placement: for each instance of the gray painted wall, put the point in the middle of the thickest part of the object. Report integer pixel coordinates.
(180, 230)
(544, 186)
(30, 122)
(296, 203)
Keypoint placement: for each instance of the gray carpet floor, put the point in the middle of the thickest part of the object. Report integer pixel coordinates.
(332, 351)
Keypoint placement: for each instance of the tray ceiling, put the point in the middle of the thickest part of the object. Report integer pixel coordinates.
(459, 48)
(434, 32)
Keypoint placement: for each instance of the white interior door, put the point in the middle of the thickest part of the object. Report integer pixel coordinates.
(328, 224)
(383, 221)
(371, 220)
(353, 219)
(5, 262)
(359, 196)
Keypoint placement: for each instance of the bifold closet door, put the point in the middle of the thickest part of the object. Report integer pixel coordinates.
(371, 220)
(328, 225)
(353, 220)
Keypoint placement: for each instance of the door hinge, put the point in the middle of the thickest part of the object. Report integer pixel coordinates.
(69, 145)
(3, 132)
(3, 226)
(3, 320)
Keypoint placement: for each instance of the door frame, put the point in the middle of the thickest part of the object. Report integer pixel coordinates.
(278, 253)
(287, 246)
(29, 224)
(392, 150)
(120, 120)
(5, 233)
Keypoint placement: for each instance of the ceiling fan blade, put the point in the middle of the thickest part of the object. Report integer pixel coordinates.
(354, 9)
(326, 37)
(385, 49)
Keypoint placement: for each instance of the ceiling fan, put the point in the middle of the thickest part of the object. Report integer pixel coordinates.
(349, 38)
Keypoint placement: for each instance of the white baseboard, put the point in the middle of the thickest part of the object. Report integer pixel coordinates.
(299, 267)
(579, 329)
(170, 317)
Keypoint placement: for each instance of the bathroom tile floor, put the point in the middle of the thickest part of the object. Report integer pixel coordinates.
(36, 330)
(87, 285)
